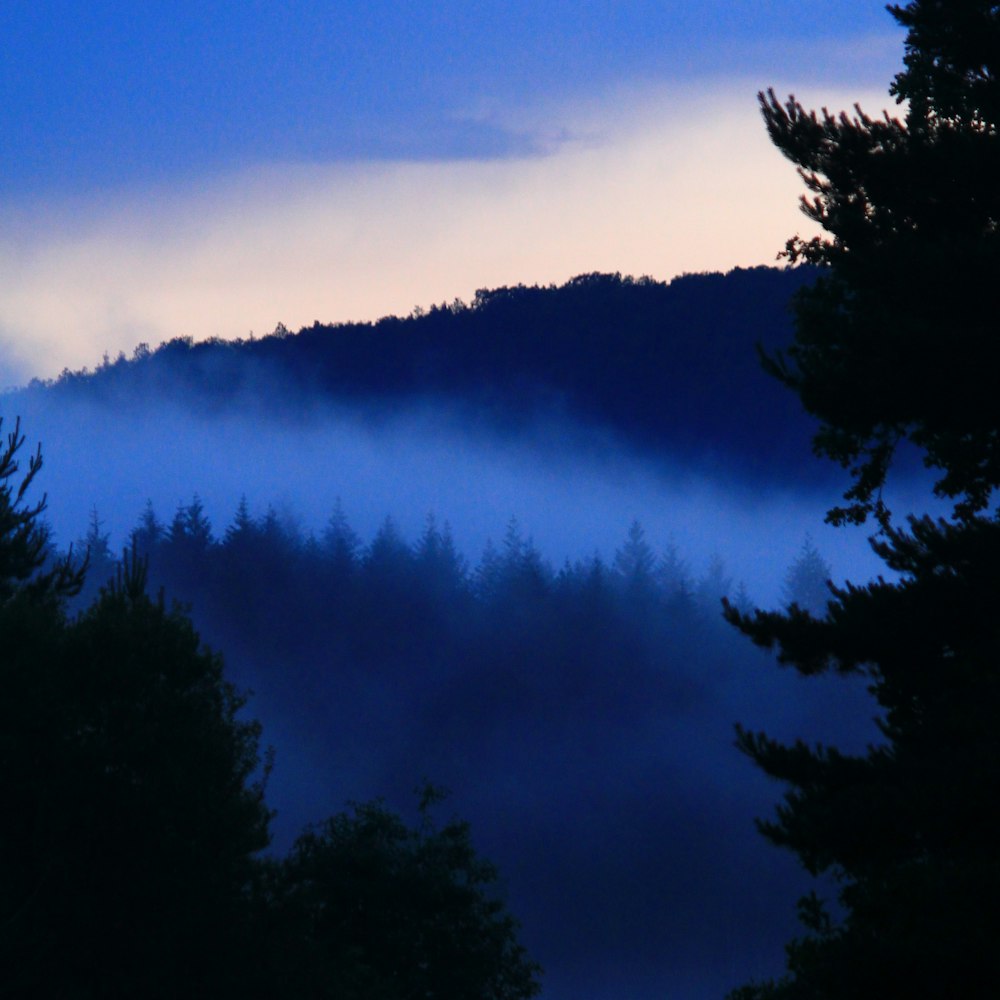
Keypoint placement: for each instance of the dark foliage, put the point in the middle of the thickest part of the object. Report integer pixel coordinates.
(369, 908)
(807, 581)
(892, 343)
(135, 821)
(332, 611)
(131, 811)
(908, 831)
(528, 690)
(663, 365)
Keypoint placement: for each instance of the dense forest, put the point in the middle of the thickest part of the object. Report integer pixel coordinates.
(665, 365)
(525, 689)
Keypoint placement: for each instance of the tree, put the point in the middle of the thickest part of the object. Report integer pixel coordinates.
(713, 586)
(908, 831)
(25, 538)
(635, 562)
(372, 909)
(101, 561)
(340, 543)
(890, 341)
(131, 816)
(892, 345)
(807, 580)
(157, 802)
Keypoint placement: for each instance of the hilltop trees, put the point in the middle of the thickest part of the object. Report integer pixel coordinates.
(891, 346)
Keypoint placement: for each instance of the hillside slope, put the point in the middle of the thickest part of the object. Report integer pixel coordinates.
(668, 367)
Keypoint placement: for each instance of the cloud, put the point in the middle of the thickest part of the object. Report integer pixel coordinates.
(658, 180)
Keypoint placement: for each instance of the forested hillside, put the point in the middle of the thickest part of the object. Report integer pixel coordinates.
(669, 366)
(580, 713)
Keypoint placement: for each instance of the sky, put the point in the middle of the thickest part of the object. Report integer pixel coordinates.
(211, 169)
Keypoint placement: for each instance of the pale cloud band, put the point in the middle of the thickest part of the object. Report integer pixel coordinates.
(658, 181)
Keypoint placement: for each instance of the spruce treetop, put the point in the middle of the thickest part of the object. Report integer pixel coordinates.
(890, 340)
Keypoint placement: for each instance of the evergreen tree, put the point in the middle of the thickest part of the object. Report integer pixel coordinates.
(488, 574)
(149, 533)
(524, 574)
(674, 574)
(131, 810)
(909, 830)
(101, 562)
(25, 538)
(340, 542)
(388, 556)
(807, 579)
(713, 586)
(890, 341)
(243, 529)
(892, 344)
(442, 569)
(635, 562)
(190, 532)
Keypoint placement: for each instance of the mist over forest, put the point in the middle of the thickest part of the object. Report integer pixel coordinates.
(486, 545)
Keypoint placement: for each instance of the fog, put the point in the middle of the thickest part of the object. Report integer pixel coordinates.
(617, 808)
(573, 490)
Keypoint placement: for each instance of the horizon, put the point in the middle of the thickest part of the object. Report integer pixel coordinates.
(188, 175)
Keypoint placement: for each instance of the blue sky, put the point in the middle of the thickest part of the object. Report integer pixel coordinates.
(212, 168)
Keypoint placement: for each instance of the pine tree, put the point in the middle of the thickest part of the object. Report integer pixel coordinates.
(713, 586)
(891, 340)
(131, 811)
(893, 344)
(635, 562)
(340, 543)
(806, 583)
(101, 562)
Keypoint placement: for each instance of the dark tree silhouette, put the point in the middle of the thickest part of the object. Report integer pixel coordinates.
(633, 354)
(131, 811)
(908, 830)
(635, 561)
(890, 340)
(101, 561)
(372, 908)
(893, 343)
(713, 586)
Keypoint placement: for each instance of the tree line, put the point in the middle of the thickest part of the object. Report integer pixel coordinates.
(331, 606)
(185, 554)
(664, 364)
